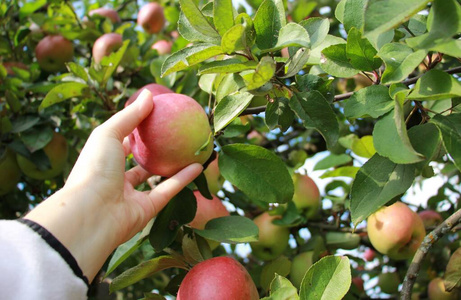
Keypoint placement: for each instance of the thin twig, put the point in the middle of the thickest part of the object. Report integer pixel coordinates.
(430, 239)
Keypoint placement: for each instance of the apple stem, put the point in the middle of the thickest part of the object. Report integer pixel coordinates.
(430, 239)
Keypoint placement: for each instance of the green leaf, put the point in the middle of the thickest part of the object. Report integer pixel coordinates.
(192, 35)
(436, 85)
(227, 66)
(315, 55)
(279, 266)
(364, 146)
(378, 181)
(234, 39)
(223, 15)
(296, 62)
(291, 34)
(346, 171)
(63, 92)
(229, 108)
(390, 136)
(144, 270)
(332, 160)
(29, 8)
(250, 34)
(189, 56)
(109, 64)
(264, 72)
(450, 128)
(336, 62)
(354, 14)
(37, 137)
(360, 52)
(329, 278)
(279, 114)
(317, 28)
(315, 112)
(257, 172)
(426, 140)
(230, 229)
(373, 101)
(77, 70)
(156, 71)
(268, 21)
(302, 9)
(400, 61)
(197, 20)
(380, 16)
(450, 47)
(192, 248)
(282, 289)
(179, 211)
(230, 84)
(202, 185)
(310, 82)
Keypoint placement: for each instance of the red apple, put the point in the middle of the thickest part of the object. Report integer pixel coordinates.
(174, 135)
(221, 278)
(162, 47)
(306, 195)
(430, 218)
(358, 282)
(436, 291)
(369, 254)
(56, 151)
(106, 12)
(154, 88)
(151, 17)
(10, 65)
(273, 239)
(213, 176)
(9, 172)
(285, 53)
(396, 231)
(53, 51)
(105, 45)
(207, 210)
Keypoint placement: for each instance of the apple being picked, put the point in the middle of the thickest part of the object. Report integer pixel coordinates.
(56, 151)
(9, 172)
(222, 278)
(154, 88)
(306, 195)
(53, 51)
(151, 17)
(105, 45)
(174, 135)
(106, 12)
(396, 231)
(273, 239)
(162, 47)
(207, 210)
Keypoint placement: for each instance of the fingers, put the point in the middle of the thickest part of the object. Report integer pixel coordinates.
(125, 121)
(137, 175)
(170, 187)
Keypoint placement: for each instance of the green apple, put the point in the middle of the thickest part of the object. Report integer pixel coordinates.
(299, 266)
(174, 135)
(306, 195)
(213, 176)
(56, 151)
(151, 17)
(218, 278)
(9, 172)
(105, 45)
(273, 239)
(389, 282)
(396, 231)
(436, 291)
(53, 51)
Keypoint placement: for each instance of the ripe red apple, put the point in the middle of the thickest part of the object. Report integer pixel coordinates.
(207, 210)
(436, 291)
(154, 88)
(105, 45)
(306, 195)
(174, 135)
(358, 282)
(10, 65)
(396, 231)
(162, 47)
(285, 52)
(389, 282)
(213, 176)
(151, 17)
(273, 239)
(56, 151)
(9, 172)
(221, 278)
(53, 51)
(106, 12)
(299, 266)
(369, 254)
(430, 218)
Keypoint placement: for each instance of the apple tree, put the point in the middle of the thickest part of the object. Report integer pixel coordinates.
(325, 116)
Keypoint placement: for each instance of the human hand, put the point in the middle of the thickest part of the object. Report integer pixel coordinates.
(99, 207)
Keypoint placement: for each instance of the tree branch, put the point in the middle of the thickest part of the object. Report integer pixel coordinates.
(448, 225)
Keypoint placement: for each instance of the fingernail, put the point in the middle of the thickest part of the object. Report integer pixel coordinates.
(145, 94)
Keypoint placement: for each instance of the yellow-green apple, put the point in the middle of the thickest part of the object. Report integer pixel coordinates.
(430, 218)
(396, 231)
(105, 45)
(299, 266)
(9, 172)
(151, 17)
(162, 47)
(306, 195)
(273, 239)
(154, 88)
(53, 51)
(222, 278)
(207, 210)
(389, 282)
(106, 12)
(56, 151)
(213, 176)
(174, 135)
(436, 291)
